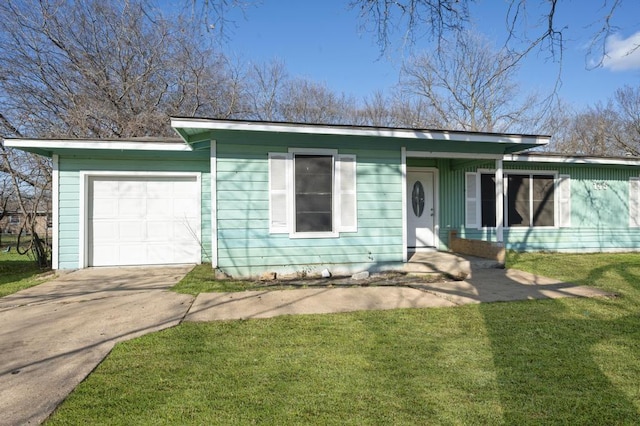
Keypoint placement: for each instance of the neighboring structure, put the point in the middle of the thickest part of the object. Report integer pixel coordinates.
(251, 197)
(13, 221)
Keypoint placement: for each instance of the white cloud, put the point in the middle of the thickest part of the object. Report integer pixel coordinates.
(622, 53)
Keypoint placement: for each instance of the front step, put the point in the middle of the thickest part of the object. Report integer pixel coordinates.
(451, 264)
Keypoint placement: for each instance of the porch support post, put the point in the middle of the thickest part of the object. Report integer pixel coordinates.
(213, 170)
(499, 202)
(403, 172)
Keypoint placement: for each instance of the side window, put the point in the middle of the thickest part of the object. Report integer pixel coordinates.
(313, 181)
(488, 193)
(530, 200)
(543, 200)
(518, 200)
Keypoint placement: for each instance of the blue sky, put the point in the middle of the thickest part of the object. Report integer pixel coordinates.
(324, 41)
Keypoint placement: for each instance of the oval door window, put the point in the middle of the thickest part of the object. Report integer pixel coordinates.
(417, 198)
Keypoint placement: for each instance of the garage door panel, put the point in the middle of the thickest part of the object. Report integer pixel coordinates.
(159, 231)
(131, 189)
(144, 220)
(185, 208)
(131, 230)
(160, 208)
(103, 253)
(105, 188)
(104, 208)
(159, 189)
(131, 207)
(106, 231)
(186, 231)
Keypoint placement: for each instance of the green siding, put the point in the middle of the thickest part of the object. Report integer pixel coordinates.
(599, 213)
(599, 199)
(69, 190)
(246, 248)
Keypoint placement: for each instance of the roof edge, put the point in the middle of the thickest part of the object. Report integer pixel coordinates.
(108, 144)
(349, 130)
(534, 157)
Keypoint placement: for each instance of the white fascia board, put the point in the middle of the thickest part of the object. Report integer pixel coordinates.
(572, 160)
(49, 144)
(177, 123)
(454, 155)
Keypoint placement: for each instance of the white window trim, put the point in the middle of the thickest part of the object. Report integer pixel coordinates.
(506, 173)
(338, 161)
(213, 170)
(634, 202)
(477, 199)
(292, 196)
(55, 210)
(83, 238)
(286, 228)
(564, 183)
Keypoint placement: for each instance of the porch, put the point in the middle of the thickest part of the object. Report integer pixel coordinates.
(453, 264)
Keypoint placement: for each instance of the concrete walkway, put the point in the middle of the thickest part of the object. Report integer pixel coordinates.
(486, 285)
(55, 334)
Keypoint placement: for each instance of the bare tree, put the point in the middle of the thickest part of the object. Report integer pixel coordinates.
(626, 104)
(104, 69)
(306, 101)
(115, 69)
(265, 85)
(470, 87)
(529, 26)
(604, 129)
(589, 133)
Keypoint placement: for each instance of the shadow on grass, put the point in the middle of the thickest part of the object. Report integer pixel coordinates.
(570, 361)
(17, 272)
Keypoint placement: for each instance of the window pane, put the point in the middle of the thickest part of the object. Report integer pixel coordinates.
(543, 200)
(518, 200)
(314, 193)
(488, 193)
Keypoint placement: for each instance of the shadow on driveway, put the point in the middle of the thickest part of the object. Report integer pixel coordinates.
(55, 334)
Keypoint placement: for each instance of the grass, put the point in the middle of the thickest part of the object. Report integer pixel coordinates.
(563, 361)
(201, 280)
(18, 272)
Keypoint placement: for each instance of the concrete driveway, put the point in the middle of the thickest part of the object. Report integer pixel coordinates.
(53, 335)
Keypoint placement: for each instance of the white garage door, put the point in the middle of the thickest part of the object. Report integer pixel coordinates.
(143, 220)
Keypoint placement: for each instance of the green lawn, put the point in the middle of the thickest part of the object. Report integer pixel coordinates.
(563, 361)
(18, 272)
(202, 280)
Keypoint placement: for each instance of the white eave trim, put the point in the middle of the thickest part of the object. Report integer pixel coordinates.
(50, 144)
(319, 129)
(454, 155)
(572, 160)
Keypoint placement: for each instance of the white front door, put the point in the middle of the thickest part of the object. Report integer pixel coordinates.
(420, 210)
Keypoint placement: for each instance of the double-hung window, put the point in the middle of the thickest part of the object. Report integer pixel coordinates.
(312, 193)
(313, 201)
(531, 200)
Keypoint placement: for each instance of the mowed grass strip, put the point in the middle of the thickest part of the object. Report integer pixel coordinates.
(201, 279)
(18, 272)
(564, 361)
